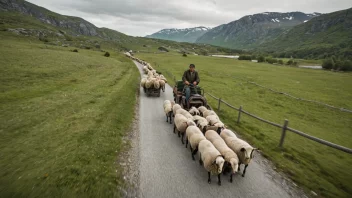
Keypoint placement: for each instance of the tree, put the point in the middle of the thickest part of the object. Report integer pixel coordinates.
(328, 63)
(261, 59)
(347, 66)
(281, 62)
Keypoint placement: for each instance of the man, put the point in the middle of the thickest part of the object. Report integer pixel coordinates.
(190, 77)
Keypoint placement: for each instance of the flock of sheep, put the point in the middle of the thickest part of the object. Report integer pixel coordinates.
(151, 79)
(220, 150)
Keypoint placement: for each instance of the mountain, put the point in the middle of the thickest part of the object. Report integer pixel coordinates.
(252, 30)
(189, 35)
(76, 25)
(19, 18)
(325, 35)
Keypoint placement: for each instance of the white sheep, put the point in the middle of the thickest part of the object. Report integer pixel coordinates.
(156, 84)
(185, 113)
(202, 109)
(168, 110)
(175, 108)
(207, 113)
(193, 136)
(143, 81)
(194, 111)
(231, 158)
(211, 158)
(181, 123)
(162, 84)
(243, 150)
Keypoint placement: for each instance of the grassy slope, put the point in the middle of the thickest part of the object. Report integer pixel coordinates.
(62, 118)
(316, 167)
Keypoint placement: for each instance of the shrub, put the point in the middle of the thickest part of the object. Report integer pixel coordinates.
(97, 46)
(163, 49)
(328, 64)
(338, 65)
(244, 57)
(281, 62)
(43, 39)
(75, 50)
(261, 59)
(271, 60)
(107, 54)
(346, 66)
(184, 54)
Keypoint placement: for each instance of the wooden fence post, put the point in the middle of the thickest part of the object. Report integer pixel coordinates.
(219, 104)
(239, 115)
(283, 133)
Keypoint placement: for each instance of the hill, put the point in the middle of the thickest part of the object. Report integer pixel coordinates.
(26, 19)
(252, 30)
(323, 36)
(189, 35)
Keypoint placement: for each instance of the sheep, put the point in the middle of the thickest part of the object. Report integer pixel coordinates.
(208, 127)
(231, 159)
(168, 110)
(193, 136)
(194, 111)
(175, 108)
(143, 81)
(185, 113)
(202, 109)
(243, 150)
(211, 158)
(208, 113)
(181, 123)
(156, 84)
(162, 84)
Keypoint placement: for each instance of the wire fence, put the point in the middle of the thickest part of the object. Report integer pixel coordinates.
(283, 127)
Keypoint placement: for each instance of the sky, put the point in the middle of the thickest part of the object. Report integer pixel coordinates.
(144, 17)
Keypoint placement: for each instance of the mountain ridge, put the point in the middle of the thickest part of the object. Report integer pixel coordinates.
(180, 35)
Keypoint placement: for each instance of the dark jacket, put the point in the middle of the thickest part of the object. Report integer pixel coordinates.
(188, 77)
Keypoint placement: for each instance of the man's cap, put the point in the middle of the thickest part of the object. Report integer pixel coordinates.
(192, 65)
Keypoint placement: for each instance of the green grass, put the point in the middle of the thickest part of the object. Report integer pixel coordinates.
(63, 116)
(311, 165)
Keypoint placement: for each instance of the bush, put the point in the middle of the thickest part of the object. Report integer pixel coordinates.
(281, 62)
(338, 65)
(346, 66)
(328, 63)
(44, 39)
(243, 57)
(261, 59)
(107, 54)
(163, 49)
(271, 60)
(184, 55)
(75, 50)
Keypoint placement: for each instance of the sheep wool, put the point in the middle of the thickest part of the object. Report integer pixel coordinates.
(194, 136)
(212, 160)
(175, 108)
(194, 111)
(229, 155)
(156, 84)
(167, 107)
(185, 113)
(143, 81)
(208, 113)
(202, 109)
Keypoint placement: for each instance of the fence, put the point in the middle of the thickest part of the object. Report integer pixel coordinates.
(283, 127)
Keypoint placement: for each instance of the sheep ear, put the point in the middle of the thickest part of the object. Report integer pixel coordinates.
(243, 149)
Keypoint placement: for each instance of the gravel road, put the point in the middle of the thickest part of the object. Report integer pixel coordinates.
(167, 170)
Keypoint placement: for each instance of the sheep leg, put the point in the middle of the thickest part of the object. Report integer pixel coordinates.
(174, 128)
(209, 179)
(186, 142)
(231, 177)
(167, 118)
(244, 171)
(239, 167)
(219, 179)
(200, 159)
(179, 134)
(194, 152)
(182, 137)
(170, 119)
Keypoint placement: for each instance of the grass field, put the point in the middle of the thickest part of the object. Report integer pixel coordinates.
(315, 167)
(62, 119)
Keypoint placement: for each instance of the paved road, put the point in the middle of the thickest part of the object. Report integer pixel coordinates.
(167, 170)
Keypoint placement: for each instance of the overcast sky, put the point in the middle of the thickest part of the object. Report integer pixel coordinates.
(143, 17)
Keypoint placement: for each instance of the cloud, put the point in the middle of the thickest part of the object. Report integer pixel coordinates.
(142, 17)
